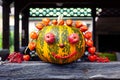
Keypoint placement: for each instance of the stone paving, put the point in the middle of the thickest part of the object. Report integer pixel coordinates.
(37, 70)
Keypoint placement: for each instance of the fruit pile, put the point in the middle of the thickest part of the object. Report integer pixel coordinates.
(50, 38)
(17, 57)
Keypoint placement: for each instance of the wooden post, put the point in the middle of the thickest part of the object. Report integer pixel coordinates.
(16, 29)
(6, 31)
(25, 28)
(94, 25)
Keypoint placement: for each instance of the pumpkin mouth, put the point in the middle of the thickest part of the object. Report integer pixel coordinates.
(63, 57)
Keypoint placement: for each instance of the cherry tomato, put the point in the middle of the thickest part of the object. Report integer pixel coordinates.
(46, 21)
(26, 57)
(78, 24)
(92, 58)
(54, 22)
(39, 25)
(91, 50)
(33, 35)
(83, 28)
(31, 45)
(69, 22)
(89, 43)
(88, 35)
(103, 59)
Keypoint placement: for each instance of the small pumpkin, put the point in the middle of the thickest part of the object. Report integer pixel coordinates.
(60, 44)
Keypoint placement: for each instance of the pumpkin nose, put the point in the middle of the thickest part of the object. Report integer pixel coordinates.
(61, 45)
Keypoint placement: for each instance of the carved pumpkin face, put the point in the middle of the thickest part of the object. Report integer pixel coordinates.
(60, 44)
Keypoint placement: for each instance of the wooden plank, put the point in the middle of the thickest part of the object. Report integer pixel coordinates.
(37, 70)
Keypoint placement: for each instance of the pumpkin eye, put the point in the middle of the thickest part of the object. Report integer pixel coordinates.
(73, 38)
(49, 38)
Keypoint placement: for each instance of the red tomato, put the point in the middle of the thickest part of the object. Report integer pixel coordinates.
(83, 28)
(69, 22)
(31, 45)
(26, 57)
(91, 50)
(89, 43)
(103, 59)
(88, 35)
(92, 58)
(78, 24)
(46, 21)
(54, 22)
(39, 25)
(33, 35)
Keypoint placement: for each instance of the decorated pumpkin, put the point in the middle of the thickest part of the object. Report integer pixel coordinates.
(60, 41)
(60, 44)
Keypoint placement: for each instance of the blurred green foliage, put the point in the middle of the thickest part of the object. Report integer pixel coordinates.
(11, 41)
(111, 56)
(0, 40)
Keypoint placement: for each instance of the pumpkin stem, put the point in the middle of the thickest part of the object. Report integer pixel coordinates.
(60, 17)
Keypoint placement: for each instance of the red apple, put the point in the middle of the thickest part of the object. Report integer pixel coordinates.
(73, 38)
(49, 38)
